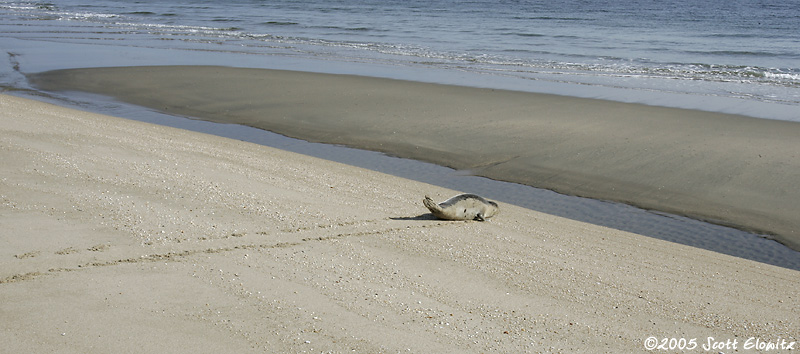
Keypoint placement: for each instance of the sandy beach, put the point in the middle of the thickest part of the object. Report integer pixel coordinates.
(728, 169)
(121, 236)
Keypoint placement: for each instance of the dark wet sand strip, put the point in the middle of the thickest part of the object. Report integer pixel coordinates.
(730, 169)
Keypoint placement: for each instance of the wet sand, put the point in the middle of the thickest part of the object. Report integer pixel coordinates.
(728, 169)
(122, 236)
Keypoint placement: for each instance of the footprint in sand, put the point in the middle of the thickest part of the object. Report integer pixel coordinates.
(99, 248)
(66, 251)
(30, 254)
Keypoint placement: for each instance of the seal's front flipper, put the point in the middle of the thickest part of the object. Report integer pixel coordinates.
(479, 217)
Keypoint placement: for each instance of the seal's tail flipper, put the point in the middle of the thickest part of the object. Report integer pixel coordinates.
(431, 205)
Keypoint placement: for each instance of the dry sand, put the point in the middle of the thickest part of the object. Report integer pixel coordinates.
(124, 237)
(734, 170)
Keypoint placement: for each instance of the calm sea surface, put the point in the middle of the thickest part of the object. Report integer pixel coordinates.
(736, 56)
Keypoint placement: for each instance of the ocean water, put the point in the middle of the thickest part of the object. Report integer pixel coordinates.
(734, 56)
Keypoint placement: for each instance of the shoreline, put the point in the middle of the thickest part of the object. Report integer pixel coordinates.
(618, 216)
(117, 230)
(727, 169)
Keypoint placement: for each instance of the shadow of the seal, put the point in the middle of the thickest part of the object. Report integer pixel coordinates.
(426, 216)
